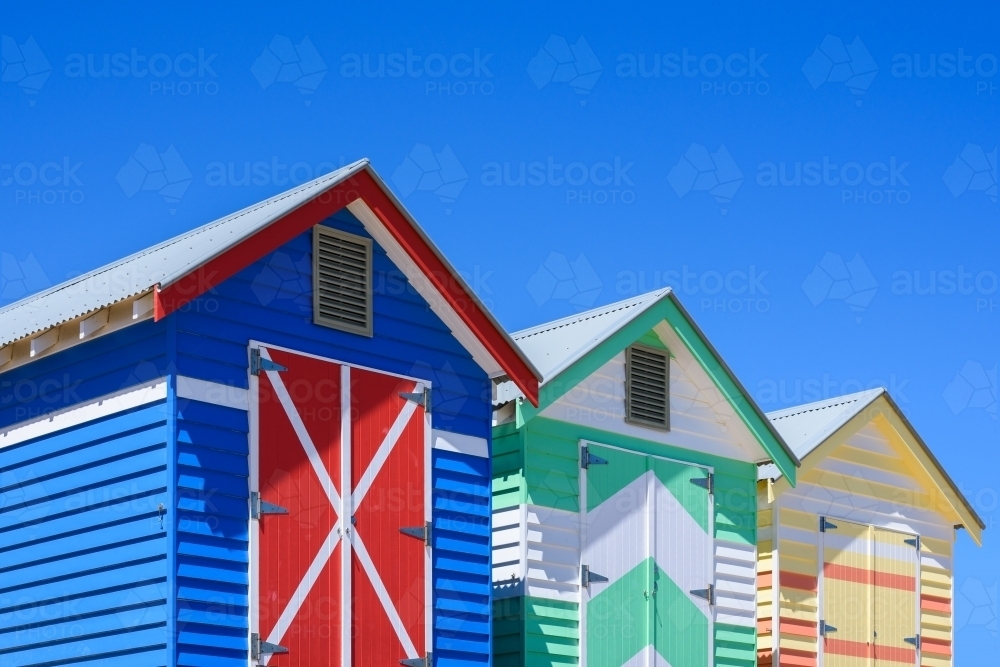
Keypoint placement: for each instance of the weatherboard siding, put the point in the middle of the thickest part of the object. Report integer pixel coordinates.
(864, 480)
(271, 302)
(83, 552)
(83, 556)
(536, 476)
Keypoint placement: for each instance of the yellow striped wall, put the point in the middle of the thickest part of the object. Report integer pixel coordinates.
(871, 478)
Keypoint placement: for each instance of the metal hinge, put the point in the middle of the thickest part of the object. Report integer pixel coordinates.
(705, 593)
(425, 661)
(825, 628)
(825, 523)
(260, 648)
(422, 397)
(587, 577)
(707, 483)
(587, 459)
(913, 640)
(915, 542)
(420, 532)
(258, 363)
(259, 508)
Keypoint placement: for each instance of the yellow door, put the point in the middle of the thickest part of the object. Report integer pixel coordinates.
(895, 593)
(846, 608)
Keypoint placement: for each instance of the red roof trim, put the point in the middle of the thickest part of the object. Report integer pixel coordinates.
(281, 231)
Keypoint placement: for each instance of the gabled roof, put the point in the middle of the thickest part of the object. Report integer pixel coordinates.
(554, 346)
(807, 427)
(179, 270)
(566, 349)
(161, 264)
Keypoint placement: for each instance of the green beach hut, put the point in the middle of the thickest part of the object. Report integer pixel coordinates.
(624, 505)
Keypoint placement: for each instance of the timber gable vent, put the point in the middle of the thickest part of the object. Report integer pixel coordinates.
(647, 387)
(342, 280)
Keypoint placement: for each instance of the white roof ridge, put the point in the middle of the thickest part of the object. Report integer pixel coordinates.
(553, 354)
(824, 404)
(590, 314)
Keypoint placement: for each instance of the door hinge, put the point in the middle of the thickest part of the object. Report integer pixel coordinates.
(915, 542)
(707, 483)
(259, 508)
(421, 397)
(913, 640)
(587, 459)
(259, 648)
(825, 523)
(258, 363)
(587, 577)
(705, 593)
(419, 532)
(825, 628)
(425, 661)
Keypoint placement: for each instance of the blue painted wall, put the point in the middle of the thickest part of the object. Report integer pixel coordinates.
(271, 302)
(85, 565)
(83, 555)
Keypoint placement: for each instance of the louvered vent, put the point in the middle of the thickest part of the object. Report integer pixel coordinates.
(342, 279)
(647, 387)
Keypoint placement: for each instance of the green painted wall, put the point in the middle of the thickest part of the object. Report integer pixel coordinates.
(539, 464)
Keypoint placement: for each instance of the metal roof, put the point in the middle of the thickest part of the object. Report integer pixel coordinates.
(158, 265)
(805, 427)
(555, 346)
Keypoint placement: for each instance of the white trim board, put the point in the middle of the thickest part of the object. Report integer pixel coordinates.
(109, 404)
(215, 393)
(425, 288)
(460, 444)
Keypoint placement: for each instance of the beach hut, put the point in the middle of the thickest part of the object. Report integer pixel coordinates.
(856, 562)
(265, 441)
(624, 503)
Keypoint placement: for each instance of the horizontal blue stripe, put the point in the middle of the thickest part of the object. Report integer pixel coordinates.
(209, 547)
(114, 427)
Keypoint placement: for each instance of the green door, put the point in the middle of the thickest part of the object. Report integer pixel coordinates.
(647, 531)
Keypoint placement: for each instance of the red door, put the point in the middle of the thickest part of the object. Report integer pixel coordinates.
(337, 581)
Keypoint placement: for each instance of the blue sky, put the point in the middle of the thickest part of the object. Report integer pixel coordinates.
(819, 186)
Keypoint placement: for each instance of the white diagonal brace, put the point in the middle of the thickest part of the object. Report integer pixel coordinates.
(384, 449)
(383, 595)
(302, 590)
(300, 430)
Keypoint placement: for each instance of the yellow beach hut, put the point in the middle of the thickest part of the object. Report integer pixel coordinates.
(855, 563)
